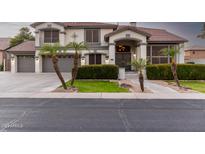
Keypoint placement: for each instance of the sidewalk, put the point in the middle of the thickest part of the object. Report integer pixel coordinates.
(105, 95)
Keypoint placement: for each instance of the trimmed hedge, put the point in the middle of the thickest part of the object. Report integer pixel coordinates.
(184, 72)
(98, 72)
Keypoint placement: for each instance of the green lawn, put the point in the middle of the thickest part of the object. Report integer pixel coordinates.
(98, 86)
(195, 85)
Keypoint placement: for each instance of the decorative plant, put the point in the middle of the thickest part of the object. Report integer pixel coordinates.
(172, 52)
(77, 47)
(52, 50)
(139, 65)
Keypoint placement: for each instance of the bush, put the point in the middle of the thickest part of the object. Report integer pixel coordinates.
(98, 72)
(184, 72)
(1, 67)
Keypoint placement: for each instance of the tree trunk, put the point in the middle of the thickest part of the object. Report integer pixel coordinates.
(174, 72)
(56, 68)
(141, 80)
(75, 69)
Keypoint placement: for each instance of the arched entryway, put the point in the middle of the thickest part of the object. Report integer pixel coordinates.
(124, 51)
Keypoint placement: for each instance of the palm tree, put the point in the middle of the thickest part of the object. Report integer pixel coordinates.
(52, 50)
(77, 47)
(172, 52)
(139, 66)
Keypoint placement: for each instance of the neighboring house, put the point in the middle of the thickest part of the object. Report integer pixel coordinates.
(4, 56)
(108, 44)
(195, 54)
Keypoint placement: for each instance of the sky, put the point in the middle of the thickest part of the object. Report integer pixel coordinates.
(188, 30)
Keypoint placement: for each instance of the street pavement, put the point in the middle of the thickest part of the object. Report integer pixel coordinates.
(101, 115)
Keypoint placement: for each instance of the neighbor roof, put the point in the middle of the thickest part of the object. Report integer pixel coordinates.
(81, 24)
(195, 48)
(27, 46)
(4, 43)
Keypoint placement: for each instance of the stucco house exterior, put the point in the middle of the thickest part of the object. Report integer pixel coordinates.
(108, 44)
(195, 54)
(4, 57)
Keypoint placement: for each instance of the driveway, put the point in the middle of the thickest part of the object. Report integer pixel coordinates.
(29, 82)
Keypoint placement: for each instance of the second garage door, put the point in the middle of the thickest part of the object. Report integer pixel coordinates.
(65, 64)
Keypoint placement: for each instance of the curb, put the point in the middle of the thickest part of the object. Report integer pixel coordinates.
(104, 95)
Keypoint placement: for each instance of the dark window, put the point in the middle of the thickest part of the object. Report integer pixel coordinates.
(123, 48)
(92, 35)
(193, 52)
(51, 36)
(95, 59)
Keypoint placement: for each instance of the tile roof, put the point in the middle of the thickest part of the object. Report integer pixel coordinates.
(4, 43)
(81, 24)
(195, 47)
(28, 46)
(154, 35)
(123, 28)
(161, 35)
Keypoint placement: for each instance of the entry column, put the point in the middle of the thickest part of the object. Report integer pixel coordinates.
(112, 53)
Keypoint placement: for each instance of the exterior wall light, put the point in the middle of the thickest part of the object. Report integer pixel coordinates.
(12, 58)
(83, 60)
(106, 59)
(36, 58)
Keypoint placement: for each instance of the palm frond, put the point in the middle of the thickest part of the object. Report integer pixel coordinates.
(50, 49)
(139, 64)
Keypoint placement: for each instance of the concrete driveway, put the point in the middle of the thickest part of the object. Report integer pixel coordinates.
(29, 82)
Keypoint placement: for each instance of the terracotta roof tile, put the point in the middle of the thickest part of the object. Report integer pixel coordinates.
(81, 24)
(4, 43)
(28, 46)
(161, 35)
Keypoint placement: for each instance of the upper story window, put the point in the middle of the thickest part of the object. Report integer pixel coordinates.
(51, 36)
(92, 35)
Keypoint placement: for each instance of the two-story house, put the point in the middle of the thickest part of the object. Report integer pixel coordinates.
(108, 44)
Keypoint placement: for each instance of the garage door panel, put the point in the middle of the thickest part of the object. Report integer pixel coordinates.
(65, 64)
(25, 63)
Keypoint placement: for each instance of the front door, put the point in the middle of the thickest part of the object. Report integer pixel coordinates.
(123, 57)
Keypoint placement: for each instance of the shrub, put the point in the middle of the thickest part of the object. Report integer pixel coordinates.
(184, 72)
(98, 72)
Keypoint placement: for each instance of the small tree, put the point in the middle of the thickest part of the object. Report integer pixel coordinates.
(77, 47)
(52, 50)
(172, 52)
(139, 66)
(23, 35)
